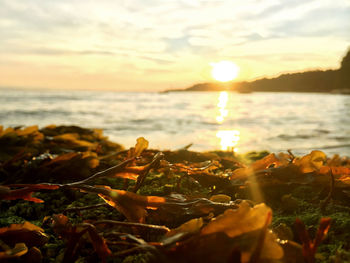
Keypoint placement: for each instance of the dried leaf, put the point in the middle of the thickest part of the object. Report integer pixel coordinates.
(19, 250)
(239, 221)
(28, 233)
(73, 139)
(25, 192)
(235, 236)
(61, 225)
(262, 164)
(266, 162)
(73, 234)
(27, 130)
(322, 231)
(98, 242)
(271, 249)
(191, 226)
(126, 175)
(141, 145)
(310, 246)
(339, 170)
(180, 209)
(132, 205)
(311, 162)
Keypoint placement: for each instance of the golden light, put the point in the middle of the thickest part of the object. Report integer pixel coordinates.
(223, 98)
(224, 70)
(228, 139)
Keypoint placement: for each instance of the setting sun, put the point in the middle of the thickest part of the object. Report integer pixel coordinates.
(224, 71)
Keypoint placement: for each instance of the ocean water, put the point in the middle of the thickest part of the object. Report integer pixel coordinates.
(209, 120)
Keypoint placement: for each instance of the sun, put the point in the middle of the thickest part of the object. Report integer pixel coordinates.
(224, 70)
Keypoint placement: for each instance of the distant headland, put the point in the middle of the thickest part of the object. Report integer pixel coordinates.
(336, 81)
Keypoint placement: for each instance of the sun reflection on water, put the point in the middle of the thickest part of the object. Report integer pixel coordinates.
(223, 99)
(228, 138)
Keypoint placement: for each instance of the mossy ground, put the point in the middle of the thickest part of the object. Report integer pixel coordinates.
(305, 205)
(288, 202)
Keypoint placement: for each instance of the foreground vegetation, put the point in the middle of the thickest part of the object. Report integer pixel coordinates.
(67, 194)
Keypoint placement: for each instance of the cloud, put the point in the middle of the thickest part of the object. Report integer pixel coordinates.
(172, 35)
(321, 21)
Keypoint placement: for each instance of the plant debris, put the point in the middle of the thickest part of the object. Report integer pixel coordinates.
(68, 194)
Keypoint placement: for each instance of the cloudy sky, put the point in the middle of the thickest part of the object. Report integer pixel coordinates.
(160, 44)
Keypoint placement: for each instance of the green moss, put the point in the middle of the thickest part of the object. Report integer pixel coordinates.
(139, 258)
(7, 219)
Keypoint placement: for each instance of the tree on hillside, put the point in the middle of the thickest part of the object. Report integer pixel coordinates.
(344, 73)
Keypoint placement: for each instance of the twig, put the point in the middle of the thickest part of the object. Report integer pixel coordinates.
(114, 234)
(142, 176)
(185, 148)
(163, 229)
(121, 243)
(110, 171)
(76, 209)
(193, 169)
(291, 155)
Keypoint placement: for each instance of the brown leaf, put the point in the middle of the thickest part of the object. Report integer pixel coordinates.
(98, 242)
(265, 162)
(310, 246)
(191, 226)
(61, 225)
(25, 192)
(262, 164)
(235, 236)
(141, 145)
(73, 234)
(132, 205)
(18, 250)
(311, 162)
(339, 170)
(73, 139)
(239, 221)
(27, 233)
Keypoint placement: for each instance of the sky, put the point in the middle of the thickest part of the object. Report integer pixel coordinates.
(153, 45)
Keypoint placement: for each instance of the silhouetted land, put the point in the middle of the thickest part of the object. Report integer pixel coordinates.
(337, 81)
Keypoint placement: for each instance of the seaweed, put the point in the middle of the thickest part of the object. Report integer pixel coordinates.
(86, 199)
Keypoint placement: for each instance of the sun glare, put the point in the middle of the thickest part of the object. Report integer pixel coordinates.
(228, 139)
(224, 71)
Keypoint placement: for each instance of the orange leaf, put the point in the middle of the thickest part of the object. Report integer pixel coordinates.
(26, 232)
(265, 162)
(141, 145)
(132, 205)
(310, 246)
(311, 162)
(18, 250)
(25, 192)
(341, 170)
(131, 176)
(99, 243)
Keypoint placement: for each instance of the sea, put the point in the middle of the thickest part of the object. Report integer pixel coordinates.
(203, 121)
